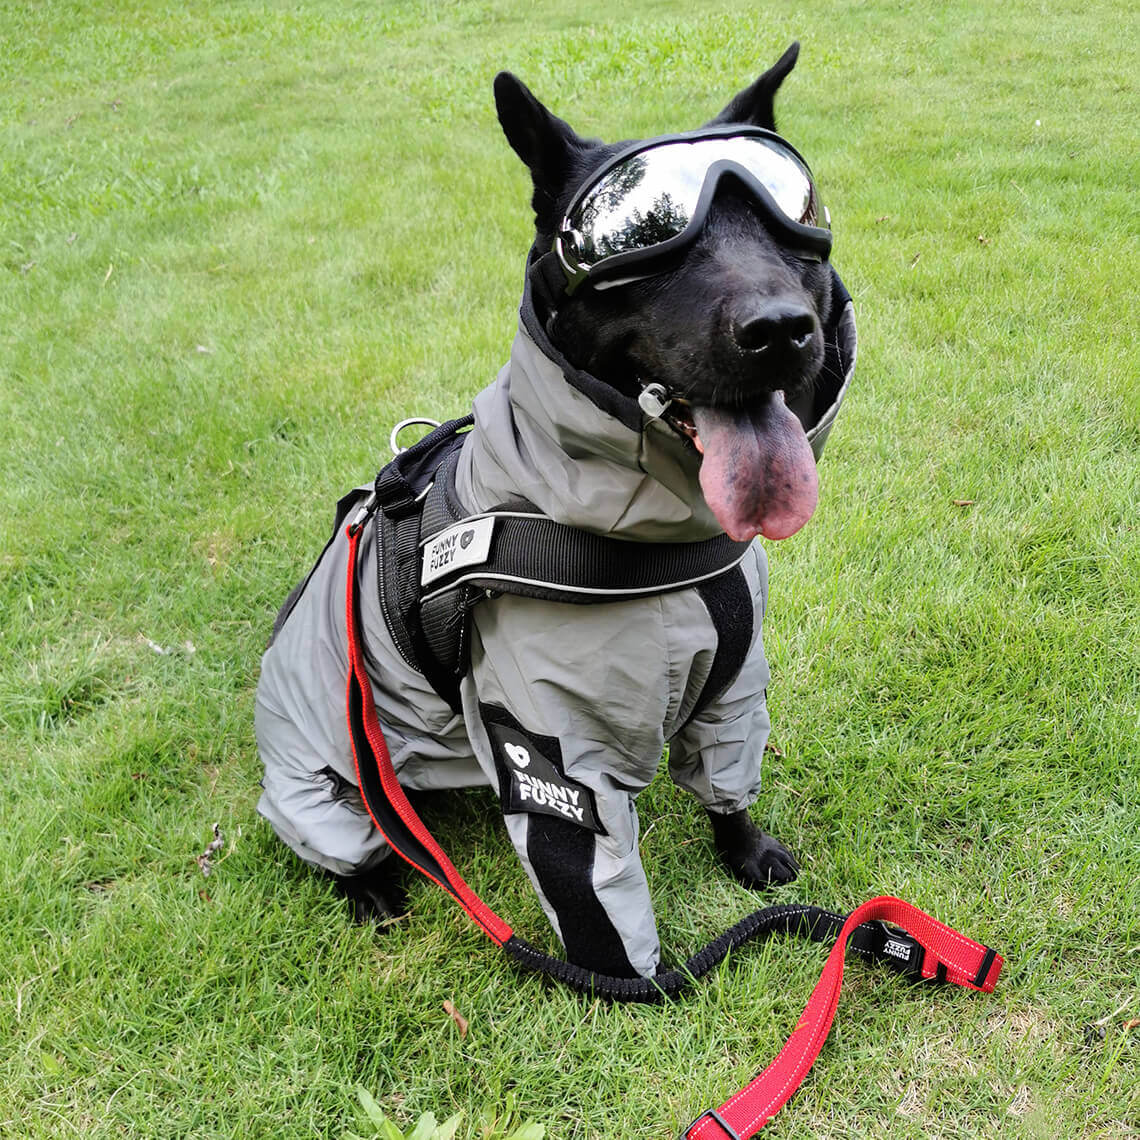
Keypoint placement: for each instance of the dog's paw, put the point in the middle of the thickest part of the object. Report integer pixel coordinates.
(373, 897)
(767, 864)
(753, 857)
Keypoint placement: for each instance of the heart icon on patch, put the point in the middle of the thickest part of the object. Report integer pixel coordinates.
(466, 538)
(520, 757)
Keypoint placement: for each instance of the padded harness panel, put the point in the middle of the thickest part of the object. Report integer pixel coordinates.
(528, 554)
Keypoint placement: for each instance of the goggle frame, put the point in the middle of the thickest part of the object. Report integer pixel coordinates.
(809, 242)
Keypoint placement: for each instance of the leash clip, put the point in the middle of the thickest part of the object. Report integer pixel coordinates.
(362, 515)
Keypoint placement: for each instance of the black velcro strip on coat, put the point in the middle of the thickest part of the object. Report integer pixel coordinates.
(730, 606)
(561, 852)
(562, 855)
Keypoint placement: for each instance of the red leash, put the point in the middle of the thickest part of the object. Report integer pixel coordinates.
(964, 962)
(946, 955)
(436, 866)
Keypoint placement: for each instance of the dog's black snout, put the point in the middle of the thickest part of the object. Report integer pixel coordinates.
(776, 325)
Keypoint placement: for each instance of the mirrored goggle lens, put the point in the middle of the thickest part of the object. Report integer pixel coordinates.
(651, 196)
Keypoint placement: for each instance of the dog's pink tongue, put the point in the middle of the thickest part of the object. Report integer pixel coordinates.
(758, 472)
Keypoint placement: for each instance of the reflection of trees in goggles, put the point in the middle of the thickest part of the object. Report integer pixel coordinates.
(652, 196)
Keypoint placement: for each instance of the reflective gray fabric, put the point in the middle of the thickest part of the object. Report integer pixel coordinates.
(612, 683)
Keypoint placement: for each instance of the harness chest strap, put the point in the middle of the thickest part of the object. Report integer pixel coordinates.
(435, 561)
(914, 943)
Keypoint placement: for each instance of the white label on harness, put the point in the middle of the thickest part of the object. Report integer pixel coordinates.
(465, 544)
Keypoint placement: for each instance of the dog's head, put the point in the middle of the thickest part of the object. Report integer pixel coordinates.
(730, 322)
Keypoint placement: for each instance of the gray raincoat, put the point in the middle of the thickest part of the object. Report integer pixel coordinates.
(566, 709)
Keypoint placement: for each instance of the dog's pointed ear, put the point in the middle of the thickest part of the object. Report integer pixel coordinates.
(542, 140)
(754, 104)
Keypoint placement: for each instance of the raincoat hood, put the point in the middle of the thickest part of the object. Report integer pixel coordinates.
(588, 456)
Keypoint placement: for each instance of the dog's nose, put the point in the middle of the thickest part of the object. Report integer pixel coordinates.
(777, 325)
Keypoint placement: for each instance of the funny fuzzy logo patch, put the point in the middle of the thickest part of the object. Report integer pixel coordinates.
(531, 781)
(466, 544)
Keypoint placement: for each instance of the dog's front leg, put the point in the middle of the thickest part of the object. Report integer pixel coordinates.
(575, 831)
(714, 759)
(716, 754)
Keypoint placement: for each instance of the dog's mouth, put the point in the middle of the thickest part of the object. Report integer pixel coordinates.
(679, 416)
(758, 472)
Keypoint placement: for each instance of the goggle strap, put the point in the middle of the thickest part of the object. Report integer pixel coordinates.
(548, 279)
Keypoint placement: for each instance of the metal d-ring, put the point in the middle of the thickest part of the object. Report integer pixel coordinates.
(396, 449)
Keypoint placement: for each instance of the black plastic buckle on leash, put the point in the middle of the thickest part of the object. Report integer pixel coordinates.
(710, 1114)
(894, 948)
(897, 950)
(905, 955)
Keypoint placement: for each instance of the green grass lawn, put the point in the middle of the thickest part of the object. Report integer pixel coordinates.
(239, 240)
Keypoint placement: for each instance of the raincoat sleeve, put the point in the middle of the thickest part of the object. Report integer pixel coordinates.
(568, 729)
(716, 754)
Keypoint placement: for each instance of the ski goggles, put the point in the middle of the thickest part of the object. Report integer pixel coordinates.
(650, 202)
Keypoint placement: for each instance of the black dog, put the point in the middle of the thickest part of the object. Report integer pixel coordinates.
(722, 320)
(736, 321)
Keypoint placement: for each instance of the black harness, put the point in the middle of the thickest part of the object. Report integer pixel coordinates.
(435, 562)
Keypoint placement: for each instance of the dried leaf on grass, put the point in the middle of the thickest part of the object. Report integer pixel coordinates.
(457, 1017)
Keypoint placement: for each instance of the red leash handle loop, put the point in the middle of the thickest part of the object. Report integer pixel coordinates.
(948, 954)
